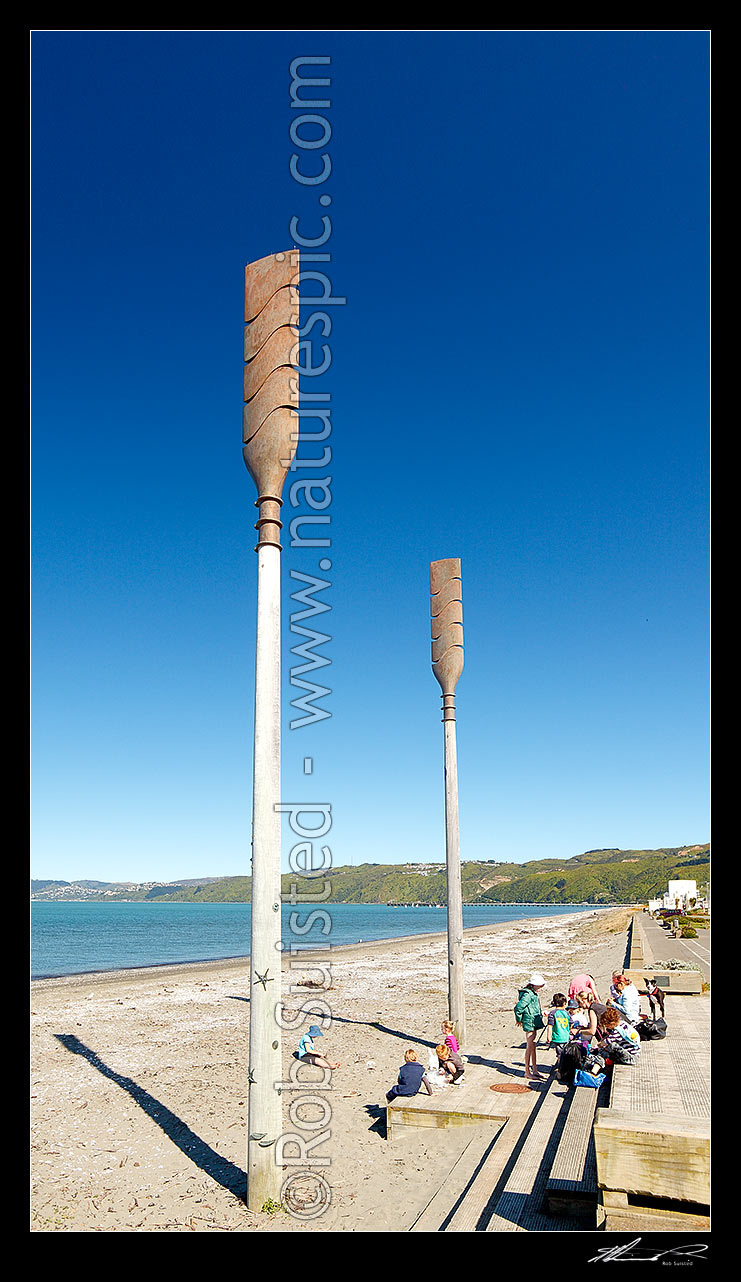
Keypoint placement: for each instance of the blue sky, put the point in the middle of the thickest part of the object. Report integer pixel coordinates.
(519, 377)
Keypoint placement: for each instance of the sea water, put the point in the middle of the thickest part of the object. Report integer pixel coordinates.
(81, 938)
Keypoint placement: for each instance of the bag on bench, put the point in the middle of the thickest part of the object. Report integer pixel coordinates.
(650, 1030)
(584, 1078)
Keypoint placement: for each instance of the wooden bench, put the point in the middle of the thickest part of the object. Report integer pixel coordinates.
(572, 1189)
(637, 952)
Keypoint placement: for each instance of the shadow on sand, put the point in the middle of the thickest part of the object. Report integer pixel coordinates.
(411, 1040)
(378, 1115)
(361, 1023)
(229, 1176)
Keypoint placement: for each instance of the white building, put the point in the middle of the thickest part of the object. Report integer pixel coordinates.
(680, 894)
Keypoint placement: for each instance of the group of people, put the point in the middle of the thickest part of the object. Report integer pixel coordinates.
(450, 1066)
(607, 1028)
(412, 1075)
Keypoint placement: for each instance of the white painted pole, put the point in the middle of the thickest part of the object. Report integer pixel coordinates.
(265, 1114)
(456, 996)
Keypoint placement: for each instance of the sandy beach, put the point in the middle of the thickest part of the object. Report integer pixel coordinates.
(139, 1078)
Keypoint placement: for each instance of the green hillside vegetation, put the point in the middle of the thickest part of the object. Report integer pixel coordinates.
(596, 877)
(634, 878)
(224, 890)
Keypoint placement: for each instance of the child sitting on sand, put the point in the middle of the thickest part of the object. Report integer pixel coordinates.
(558, 1024)
(411, 1077)
(450, 1062)
(308, 1052)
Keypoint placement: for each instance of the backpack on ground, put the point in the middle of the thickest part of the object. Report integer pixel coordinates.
(570, 1060)
(650, 1030)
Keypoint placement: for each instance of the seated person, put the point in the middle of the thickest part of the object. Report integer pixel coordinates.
(308, 1052)
(618, 1040)
(411, 1077)
(627, 999)
(584, 1017)
(450, 1062)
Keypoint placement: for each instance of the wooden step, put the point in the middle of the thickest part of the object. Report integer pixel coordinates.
(621, 1213)
(521, 1206)
(571, 1189)
(471, 1213)
(460, 1181)
(653, 1154)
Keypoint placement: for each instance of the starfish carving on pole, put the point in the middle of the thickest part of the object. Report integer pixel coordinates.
(446, 610)
(270, 436)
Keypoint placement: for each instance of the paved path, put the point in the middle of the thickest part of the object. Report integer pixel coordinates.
(694, 951)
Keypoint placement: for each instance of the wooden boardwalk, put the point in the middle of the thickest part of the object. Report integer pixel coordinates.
(471, 1102)
(653, 1141)
(634, 1154)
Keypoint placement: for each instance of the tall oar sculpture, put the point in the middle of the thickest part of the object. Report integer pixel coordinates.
(270, 438)
(446, 609)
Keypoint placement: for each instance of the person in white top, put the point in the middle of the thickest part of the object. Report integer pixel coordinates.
(628, 1000)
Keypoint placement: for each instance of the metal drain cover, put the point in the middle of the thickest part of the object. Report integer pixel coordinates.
(513, 1088)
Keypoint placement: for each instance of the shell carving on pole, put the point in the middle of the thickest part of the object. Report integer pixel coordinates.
(446, 609)
(270, 417)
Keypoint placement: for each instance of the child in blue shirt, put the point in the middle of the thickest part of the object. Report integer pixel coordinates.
(309, 1054)
(411, 1077)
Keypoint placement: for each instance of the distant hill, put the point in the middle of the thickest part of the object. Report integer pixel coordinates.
(596, 876)
(619, 876)
(87, 885)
